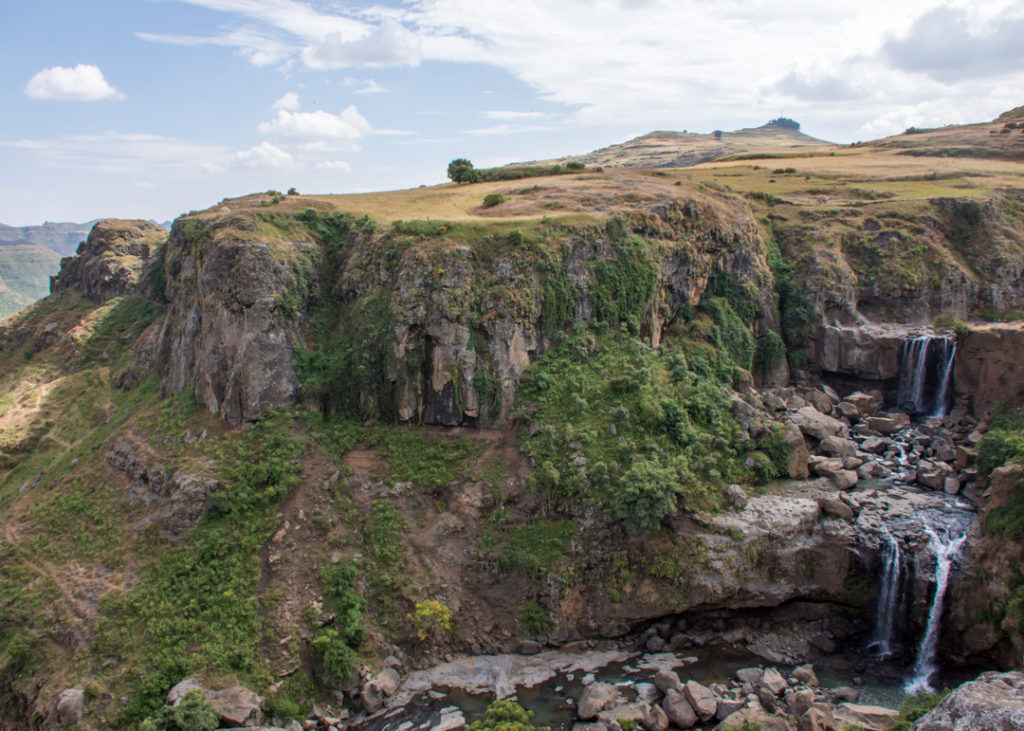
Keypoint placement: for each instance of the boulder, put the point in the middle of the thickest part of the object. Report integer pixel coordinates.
(933, 474)
(452, 719)
(816, 718)
(966, 456)
(773, 681)
(827, 467)
(882, 424)
(992, 702)
(379, 687)
(797, 464)
(665, 679)
(655, 718)
(805, 674)
(820, 401)
(838, 447)
(866, 404)
(845, 693)
(869, 718)
(679, 711)
(799, 701)
(815, 424)
(754, 717)
(951, 485)
(70, 706)
(844, 479)
(728, 705)
(833, 506)
(701, 699)
(596, 697)
(848, 411)
(750, 676)
(236, 706)
(736, 496)
(175, 694)
(875, 445)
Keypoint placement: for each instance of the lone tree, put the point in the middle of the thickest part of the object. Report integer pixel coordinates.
(461, 171)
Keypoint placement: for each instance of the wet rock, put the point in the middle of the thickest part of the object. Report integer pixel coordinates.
(701, 699)
(876, 445)
(596, 697)
(70, 706)
(951, 485)
(679, 711)
(845, 693)
(822, 642)
(933, 474)
(993, 702)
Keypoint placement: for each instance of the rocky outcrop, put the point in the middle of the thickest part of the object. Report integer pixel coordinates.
(111, 261)
(990, 366)
(993, 702)
(237, 299)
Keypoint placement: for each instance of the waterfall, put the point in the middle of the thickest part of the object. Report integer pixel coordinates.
(946, 550)
(890, 598)
(942, 393)
(916, 377)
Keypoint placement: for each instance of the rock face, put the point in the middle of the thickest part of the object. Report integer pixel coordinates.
(990, 366)
(111, 261)
(993, 702)
(236, 302)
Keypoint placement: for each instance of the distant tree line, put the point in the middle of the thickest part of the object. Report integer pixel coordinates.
(461, 170)
(785, 123)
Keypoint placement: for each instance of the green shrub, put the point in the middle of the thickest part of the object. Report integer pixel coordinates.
(914, 707)
(193, 713)
(534, 618)
(646, 494)
(337, 659)
(506, 715)
(493, 199)
(771, 351)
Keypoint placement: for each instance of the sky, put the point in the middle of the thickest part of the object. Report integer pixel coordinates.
(152, 108)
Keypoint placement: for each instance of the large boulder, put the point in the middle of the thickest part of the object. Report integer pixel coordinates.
(815, 424)
(869, 718)
(236, 706)
(679, 710)
(70, 706)
(376, 689)
(993, 702)
(701, 699)
(596, 697)
(796, 465)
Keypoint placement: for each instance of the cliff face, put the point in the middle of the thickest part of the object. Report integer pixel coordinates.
(229, 332)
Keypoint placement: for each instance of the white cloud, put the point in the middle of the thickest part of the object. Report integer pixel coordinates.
(261, 49)
(510, 116)
(334, 165)
(289, 102)
(389, 44)
(142, 155)
(372, 87)
(84, 83)
(265, 155)
(318, 125)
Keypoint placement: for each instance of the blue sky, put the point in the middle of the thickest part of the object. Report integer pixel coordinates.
(150, 108)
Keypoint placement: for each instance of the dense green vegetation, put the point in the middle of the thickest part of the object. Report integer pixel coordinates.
(195, 607)
(628, 428)
(914, 707)
(461, 170)
(506, 715)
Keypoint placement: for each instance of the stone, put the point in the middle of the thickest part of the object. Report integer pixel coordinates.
(992, 702)
(848, 411)
(655, 718)
(529, 647)
(827, 467)
(665, 679)
(866, 404)
(70, 706)
(805, 674)
(655, 644)
(736, 496)
(816, 718)
(820, 401)
(754, 717)
(236, 706)
(838, 447)
(797, 464)
(679, 711)
(875, 445)
(833, 506)
(882, 424)
(844, 479)
(773, 681)
(451, 719)
(379, 687)
(966, 456)
(750, 676)
(944, 449)
(815, 424)
(951, 485)
(701, 699)
(596, 697)
(799, 701)
(845, 693)
(175, 694)
(646, 692)
(933, 474)
(822, 642)
(767, 699)
(728, 706)
(869, 718)
(829, 391)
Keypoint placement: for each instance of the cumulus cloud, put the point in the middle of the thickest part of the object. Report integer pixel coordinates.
(84, 83)
(389, 44)
(349, 124)
(264, 155)
(289, 102)
(945, 44)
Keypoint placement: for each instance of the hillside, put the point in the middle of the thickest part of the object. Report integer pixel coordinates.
(310, 444)
(25, 272)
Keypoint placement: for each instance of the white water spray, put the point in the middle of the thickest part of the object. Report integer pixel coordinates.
(916, 376)
(889, 598)
(942, 393)
(946, 550)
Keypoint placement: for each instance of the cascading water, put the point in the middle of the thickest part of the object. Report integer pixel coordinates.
(890, 598)
(946, 550)
(917, 379)
(943, 392)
